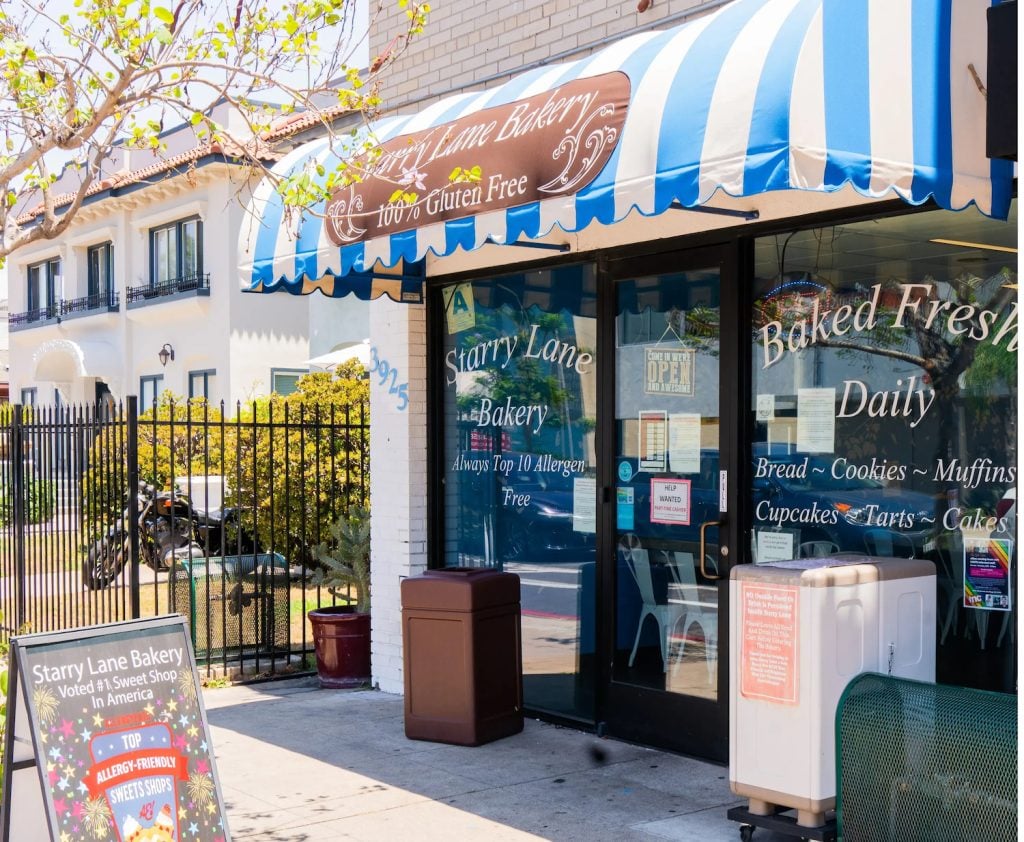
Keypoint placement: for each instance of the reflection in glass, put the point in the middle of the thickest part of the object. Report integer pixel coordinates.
(190, 249)
(667, 437)
(519, 494)
(914, 341)
(99, 269)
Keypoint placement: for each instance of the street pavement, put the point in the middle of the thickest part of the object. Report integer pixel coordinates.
(301, 764)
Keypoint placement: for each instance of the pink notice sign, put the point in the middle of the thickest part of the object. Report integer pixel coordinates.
(670, 501)
(769, 643)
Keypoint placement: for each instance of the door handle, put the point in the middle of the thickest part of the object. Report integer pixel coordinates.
(703, 547)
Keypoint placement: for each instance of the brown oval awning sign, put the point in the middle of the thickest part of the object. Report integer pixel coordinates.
(550, 144)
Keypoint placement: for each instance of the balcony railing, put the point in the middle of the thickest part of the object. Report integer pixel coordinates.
(199, 284)
(96, 301)
(103, 301)
(40, 314)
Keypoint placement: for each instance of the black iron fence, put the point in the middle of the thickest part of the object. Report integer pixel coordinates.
(106, 514)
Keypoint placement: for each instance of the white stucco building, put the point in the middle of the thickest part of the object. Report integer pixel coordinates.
(140, 294)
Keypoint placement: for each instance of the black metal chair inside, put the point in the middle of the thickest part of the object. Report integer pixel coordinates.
(888, 544)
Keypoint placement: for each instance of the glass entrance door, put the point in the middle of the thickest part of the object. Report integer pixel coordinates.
(672, 545)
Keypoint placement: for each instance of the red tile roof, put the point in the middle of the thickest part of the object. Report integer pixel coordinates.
(282, 128)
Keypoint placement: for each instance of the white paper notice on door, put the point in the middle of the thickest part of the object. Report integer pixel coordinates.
(816, 420)
(774, 546)
(684, 443)
(670, 501)
(653, 442)
(584, 504)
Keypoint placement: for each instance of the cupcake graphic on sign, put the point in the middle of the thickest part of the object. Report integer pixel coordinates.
(162, 830)
(137, 769)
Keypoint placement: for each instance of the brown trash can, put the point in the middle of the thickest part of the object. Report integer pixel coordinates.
(463, 656)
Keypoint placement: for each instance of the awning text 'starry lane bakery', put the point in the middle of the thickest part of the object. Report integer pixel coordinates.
(546, 145)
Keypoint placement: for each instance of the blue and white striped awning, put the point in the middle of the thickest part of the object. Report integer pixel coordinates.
(761, 95)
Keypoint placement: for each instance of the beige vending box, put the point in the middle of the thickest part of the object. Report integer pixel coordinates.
(799, 632)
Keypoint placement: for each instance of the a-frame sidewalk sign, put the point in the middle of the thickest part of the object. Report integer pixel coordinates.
(107, 738)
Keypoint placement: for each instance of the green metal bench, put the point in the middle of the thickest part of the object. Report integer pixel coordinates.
(921, 762)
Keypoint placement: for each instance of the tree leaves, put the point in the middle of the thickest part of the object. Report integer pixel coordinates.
(87, 78)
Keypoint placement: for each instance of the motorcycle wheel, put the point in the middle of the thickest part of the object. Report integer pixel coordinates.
(105, 561)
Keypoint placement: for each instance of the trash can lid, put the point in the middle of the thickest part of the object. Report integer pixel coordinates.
(460, 589)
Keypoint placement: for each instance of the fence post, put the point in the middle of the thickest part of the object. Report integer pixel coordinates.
(18, 511)
(132, 434)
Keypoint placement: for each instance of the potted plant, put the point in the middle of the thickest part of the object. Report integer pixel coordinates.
(341, 633)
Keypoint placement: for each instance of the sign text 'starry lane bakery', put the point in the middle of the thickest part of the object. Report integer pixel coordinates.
(109, 739)
(547, 145)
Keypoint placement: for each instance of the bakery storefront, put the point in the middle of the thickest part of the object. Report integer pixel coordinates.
(732, 293)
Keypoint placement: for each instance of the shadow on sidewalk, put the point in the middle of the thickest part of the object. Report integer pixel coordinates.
(300, 764)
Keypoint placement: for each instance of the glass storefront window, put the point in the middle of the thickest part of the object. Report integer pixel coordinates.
(884, 402)
(519, 384)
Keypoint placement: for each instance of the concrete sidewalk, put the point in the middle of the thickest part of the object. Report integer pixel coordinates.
(298, 763)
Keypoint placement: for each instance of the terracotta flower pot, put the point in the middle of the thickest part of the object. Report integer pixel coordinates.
(342, 641)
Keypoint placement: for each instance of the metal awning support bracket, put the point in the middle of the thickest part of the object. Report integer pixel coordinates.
(739, 214)
(564, 248)
(380, 276)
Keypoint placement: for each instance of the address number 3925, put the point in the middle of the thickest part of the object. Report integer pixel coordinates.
(386, 372)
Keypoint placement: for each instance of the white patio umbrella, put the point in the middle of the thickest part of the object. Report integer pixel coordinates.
(331, 360)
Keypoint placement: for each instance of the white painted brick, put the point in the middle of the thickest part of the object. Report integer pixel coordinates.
(397, 492)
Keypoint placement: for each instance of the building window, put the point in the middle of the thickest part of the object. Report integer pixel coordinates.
(149, 391)
(43, 282)
(200, 383)
(176, 251)
(884, 411)
(28, 397)
(518, 444)
(284, 381)
(101, 270)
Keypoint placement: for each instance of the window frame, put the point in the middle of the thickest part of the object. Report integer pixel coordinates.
(274, 372)
(29, 396)
(92, 283)
(50, 276)
(155, 380)
(178, 227)
(193, 376)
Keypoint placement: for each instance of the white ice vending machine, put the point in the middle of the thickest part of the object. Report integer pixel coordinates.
(799, 632)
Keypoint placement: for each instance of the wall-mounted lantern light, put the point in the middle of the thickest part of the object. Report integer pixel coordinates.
(166, 353)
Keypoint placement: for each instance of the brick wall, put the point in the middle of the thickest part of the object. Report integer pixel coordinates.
(467, 44)
(398, 480)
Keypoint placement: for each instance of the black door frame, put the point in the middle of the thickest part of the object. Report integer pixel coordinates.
(733, 250)
(681, 723)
